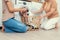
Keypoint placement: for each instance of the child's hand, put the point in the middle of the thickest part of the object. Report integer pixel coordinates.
(39, 17)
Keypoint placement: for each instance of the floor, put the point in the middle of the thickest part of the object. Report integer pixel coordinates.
(32, 35)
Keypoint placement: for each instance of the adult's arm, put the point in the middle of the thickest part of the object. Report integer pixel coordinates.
(11, 8)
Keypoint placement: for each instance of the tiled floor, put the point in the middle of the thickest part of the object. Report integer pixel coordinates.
(32, 35)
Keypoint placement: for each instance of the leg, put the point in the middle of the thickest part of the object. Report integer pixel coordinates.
(22, 18)
(51, 23)
(26, 19)
(14, 26)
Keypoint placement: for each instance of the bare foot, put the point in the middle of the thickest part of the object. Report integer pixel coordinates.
(2, 28)
(56, 26)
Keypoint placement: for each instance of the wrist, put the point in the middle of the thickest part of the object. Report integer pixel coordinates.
(42, 16)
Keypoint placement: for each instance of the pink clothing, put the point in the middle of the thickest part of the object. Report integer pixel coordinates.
(6, 14)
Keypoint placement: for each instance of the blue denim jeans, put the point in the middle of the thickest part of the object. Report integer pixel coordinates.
(12, 25)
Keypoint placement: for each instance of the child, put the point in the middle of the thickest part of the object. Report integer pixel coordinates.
(24, 17)
(50, 7)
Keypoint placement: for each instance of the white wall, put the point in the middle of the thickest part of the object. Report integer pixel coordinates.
(0, 12)
(58, 6)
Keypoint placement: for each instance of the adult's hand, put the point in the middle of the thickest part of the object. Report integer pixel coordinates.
(23, 10)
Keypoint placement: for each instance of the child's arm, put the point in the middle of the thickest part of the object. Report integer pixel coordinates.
(40, 10)
(52, 10)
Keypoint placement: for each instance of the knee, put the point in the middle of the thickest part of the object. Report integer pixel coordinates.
(46, 28)
(24, 29)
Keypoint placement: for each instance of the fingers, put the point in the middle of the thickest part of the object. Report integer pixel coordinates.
(24, 10)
